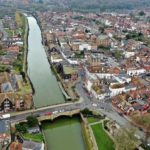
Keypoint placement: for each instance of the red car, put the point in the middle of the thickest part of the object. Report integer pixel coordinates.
(48, 113)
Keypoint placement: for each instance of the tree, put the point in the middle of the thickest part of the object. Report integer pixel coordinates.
(1, 47)
(118, 55)
(8, 70)
(147, 134)
(23, 76)
(32, 121)
(21, 127)
(87, 112)
(144, 122)
(101, 29)
(141, 13)
(126, 140)
(18, 19)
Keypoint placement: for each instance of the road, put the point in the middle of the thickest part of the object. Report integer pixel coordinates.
(85, 102)
(104, 107)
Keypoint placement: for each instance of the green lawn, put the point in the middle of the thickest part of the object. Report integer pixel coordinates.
(35, 137)
(104, 142)
(92, 119)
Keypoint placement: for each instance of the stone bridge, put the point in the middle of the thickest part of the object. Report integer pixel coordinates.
(54, 116)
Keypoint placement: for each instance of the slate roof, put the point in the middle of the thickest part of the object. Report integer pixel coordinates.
(32, 145)
(6, 87)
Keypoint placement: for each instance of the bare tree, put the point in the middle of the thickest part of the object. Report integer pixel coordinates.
(125, 139)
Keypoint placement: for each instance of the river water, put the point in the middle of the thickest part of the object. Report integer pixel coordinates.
(47, 91)
(63, 134)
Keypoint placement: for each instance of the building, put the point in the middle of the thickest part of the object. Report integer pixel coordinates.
(85, 46)
(69, 72)
(135, 71)
(94, 64)
(56, 57)
(103, 40)
(14, 101)
(15, 146)
(30, 145)
(5, 137)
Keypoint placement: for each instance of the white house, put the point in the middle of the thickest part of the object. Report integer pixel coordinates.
(85, 46)
(129, 54)
(134, 71)
(116, 91)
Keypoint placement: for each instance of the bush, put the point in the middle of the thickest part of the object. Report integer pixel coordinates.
(87, 112)
(141, 13)
(32, 121)
(21, 127)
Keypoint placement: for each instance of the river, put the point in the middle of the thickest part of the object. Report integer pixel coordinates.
(47, 91)
(62, 134)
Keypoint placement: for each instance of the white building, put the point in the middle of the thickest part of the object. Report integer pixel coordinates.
(129, 54)
(84, 46)
(134, 71)
(116, 91)
(99, 75)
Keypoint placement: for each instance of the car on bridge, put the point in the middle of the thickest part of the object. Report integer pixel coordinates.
(62, 110)
(55, 112)
(48, 113)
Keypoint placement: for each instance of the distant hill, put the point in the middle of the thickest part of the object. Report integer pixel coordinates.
(102, 4)
(16, 1)
(84, 5)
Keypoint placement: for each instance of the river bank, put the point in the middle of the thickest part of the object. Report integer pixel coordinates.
(25, 62)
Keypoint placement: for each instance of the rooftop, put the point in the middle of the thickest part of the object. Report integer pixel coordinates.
(69, 70)
(32, 145)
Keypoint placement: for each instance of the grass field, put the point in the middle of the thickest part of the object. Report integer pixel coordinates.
(92, 119)
(35, 137)
(104, 142)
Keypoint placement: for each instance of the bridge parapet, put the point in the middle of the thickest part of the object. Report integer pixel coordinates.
(54, 116)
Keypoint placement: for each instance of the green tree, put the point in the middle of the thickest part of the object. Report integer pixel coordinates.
(1, 47)
(32, 121)
(21, 127)
(141, 13)
(87, 112)
(101, 29)
(118, 55)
